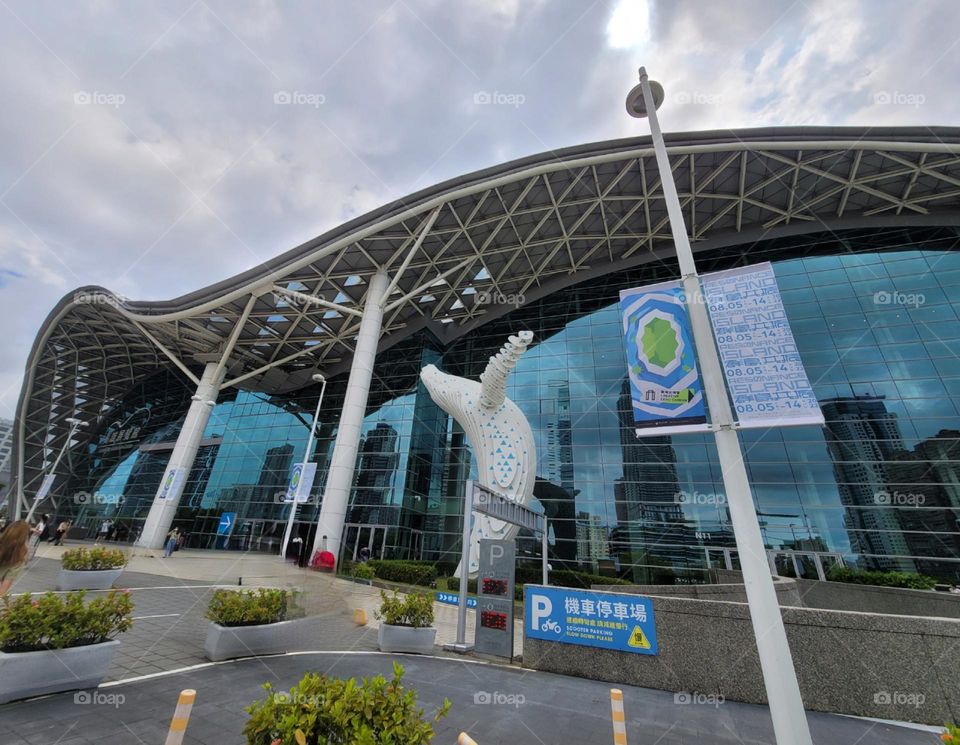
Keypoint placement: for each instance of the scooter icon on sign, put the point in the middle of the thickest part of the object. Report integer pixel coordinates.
(552, 625)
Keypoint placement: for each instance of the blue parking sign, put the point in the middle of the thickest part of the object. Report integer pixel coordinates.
(593, 619)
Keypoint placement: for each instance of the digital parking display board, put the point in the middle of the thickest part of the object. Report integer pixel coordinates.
(495, 581)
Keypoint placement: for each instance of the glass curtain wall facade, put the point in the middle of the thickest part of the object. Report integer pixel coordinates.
(874, 314)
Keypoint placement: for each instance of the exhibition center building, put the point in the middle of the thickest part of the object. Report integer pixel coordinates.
(192, 413)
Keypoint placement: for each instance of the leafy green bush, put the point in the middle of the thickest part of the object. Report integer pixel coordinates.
(363, 571)
(951, 736)
(92, 559)
(838, 573)
(407, 572)
(321, 711)
(62, 621)
(414, 609)
(248, 607)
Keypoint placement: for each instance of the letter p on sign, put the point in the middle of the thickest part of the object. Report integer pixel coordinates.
(542, 608)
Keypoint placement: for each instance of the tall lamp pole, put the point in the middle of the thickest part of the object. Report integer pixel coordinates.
(75, 424)
(783, 692)
(318, 378)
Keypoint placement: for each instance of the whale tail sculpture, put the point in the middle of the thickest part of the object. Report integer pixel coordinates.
(497, 430)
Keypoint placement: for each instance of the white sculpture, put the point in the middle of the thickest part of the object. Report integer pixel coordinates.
(497, 430)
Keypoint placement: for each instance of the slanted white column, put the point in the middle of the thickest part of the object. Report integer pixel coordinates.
(336, 495)
(167, 500)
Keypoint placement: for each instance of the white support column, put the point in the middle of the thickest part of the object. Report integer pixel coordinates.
(336, 495)
(167, 500)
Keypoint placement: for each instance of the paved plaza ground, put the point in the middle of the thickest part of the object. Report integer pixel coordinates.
(163, 654)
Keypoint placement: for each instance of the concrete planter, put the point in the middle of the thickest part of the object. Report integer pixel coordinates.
(229, 642)
(25, 674)
(93, 579)
(406, 639)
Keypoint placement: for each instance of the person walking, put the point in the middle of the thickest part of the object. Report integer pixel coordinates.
(40, 532)
(62, 529)
(104, 530)
(171, 543)
(13, 553)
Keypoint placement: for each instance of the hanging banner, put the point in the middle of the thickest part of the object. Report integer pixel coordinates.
(764, 372)
(301, 482)
(173, 479)
(665, 387)
(45, 487)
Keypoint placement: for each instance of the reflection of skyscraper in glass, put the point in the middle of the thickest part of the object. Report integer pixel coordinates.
(591, 537)
(273, 480)
(924, 488)
(555, 489)
(558, 459)
(862, 437)
(650, 520)
(376, 472)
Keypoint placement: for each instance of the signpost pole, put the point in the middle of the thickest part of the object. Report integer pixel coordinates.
(461, 644)
(783, 691)
(303, 469)
(543, 551)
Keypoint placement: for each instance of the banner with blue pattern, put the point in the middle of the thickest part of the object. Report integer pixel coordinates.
(665, 385)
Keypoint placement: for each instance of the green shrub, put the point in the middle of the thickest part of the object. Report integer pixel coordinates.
(91, 559)
(414, 609)
(453, 584)
(321, 711)
(62, 621)
(951, 735)
(534, 576)
(363, 571)
(248, 607)
(407, 572)
(838, 573)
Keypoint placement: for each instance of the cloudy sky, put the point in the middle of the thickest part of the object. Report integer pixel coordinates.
(154, 148)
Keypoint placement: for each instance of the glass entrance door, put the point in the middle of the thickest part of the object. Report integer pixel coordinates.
(722, 558)
(803, 564)
(356, 537)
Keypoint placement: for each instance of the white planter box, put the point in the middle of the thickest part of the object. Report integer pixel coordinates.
(406, 639)
(95, 579)
(25, 674)
(229, 642)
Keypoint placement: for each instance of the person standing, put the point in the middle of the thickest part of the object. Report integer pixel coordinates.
(62, 529)
(171, 543)
(13, 553)
(104, 531)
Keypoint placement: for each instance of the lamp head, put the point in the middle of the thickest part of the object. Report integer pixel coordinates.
(318, 378)
(636, 106)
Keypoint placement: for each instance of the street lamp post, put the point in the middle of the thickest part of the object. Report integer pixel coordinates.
(783, 692)
(318, 378)
(75, 424)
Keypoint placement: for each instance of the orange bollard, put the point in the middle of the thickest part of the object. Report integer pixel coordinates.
(619, 717)
(465, 739)
(181, 715)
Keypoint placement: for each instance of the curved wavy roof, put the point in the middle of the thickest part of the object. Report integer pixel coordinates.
(522, 228)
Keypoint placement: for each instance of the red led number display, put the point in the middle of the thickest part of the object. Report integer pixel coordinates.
(493, 586)
(493, 620)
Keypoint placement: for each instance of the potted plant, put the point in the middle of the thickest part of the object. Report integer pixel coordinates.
(320, 710)
(407, 623)
(58, 642)
(90, 568)
(251, 622)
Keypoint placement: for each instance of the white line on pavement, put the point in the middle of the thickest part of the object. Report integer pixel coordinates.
(158, 615)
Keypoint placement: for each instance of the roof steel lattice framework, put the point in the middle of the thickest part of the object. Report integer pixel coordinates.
(524, 228)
